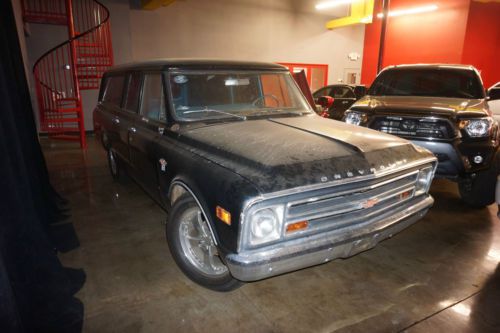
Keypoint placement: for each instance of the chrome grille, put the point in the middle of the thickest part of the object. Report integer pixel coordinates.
(414, 127)
(336, 210)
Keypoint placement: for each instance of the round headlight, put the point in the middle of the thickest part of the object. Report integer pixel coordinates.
(264, 223)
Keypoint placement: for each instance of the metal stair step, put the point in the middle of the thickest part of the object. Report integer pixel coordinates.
(62, 110)
(89, 76)
(65, 120)
(48, 19)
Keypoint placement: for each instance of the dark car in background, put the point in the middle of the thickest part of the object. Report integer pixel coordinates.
(444, 109)
(343, 95)
(255, 184)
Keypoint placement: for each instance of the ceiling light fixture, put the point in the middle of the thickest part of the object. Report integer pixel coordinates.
(334, 3)
(410, 11)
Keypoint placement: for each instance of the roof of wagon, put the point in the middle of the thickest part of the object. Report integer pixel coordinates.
(214, 64)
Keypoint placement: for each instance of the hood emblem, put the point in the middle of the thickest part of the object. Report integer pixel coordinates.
(324, 179)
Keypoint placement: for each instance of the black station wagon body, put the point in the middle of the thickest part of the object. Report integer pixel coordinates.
(254, 182)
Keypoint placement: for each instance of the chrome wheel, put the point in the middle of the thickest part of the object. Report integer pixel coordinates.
(197, 243)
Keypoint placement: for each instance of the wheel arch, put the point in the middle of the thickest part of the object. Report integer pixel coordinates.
(179, 187)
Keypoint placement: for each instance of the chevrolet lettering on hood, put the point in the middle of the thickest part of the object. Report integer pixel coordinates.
(255, 184)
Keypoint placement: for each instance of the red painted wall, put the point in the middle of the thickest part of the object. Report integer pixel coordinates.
(440, 36)
(482, 40)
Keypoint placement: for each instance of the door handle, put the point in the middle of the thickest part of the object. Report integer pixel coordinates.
(132, 129)
(116, 120)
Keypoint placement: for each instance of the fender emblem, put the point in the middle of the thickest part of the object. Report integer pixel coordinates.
(163, 164)
(369, 203)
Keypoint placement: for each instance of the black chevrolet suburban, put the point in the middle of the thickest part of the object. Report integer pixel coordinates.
(444, 109)
(255, 184)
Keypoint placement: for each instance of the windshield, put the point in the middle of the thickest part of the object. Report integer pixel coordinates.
(218, 94)
(442, 82)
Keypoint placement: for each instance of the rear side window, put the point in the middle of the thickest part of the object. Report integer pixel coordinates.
(323, 92)
(113, 90)
(133, 92)
(341, 92)
(153, 101)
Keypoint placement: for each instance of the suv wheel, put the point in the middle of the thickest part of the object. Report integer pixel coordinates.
(479, 191)
(193, 248)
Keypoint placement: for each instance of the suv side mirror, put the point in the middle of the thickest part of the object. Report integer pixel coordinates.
(493, 94)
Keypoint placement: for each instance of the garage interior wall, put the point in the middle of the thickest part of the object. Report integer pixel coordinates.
(258, 30)
(459, 32)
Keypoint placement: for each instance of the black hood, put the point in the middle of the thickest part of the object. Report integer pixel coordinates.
(281, 153)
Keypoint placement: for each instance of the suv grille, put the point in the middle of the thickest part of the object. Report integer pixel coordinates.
(366, 202)
(414, 127)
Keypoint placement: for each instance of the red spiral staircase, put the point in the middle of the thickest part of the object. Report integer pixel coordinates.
(74, 65)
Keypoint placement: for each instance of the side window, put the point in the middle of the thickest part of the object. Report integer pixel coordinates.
(342, 92)
(113, 91)
(133, 92)
(322, 92)
(153, 100)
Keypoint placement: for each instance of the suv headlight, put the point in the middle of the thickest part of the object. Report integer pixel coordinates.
(477, 128)
(424, 180)
(355, 118)
(264, 225)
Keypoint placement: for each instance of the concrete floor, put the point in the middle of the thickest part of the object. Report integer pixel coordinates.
(440, 275)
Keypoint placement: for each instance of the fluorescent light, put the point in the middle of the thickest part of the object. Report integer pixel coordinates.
(332, 3)
(410, 11)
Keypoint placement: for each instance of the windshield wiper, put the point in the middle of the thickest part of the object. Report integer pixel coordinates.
(206, 109)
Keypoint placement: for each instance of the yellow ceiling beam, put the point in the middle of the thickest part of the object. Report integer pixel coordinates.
(361, 13)
(155, 4)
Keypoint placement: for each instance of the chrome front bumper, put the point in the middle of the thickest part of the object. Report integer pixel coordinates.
(320, 248)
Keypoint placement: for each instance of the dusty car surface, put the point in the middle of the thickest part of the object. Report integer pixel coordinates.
(444, 109)
(254, 182)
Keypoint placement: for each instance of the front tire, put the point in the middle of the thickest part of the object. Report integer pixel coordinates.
(479, 191)
(193, 248)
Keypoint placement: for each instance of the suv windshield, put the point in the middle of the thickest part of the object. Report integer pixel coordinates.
(439, 82)
(218, 94)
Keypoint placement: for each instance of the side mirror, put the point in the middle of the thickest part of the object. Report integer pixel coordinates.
(326, 102)
(493, 94)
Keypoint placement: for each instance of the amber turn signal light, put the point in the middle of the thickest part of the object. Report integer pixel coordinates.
(297, 226)
(223, 215)
(405, 195)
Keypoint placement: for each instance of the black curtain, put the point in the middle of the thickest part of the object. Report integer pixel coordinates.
(36, 291)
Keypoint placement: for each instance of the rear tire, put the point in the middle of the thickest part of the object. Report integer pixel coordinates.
(115, 165)
(479, 191)
(193, 248)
